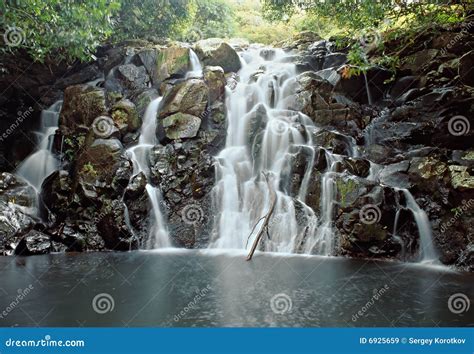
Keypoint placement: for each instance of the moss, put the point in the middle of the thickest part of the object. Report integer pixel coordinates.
(120, 117)
(88, 169)
(344, 188)
(469, 156)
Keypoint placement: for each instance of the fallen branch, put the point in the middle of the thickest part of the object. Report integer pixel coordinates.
(266, 217)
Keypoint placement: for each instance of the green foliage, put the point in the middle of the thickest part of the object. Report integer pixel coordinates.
(213, 18)
(63, 30)
(154, 18)
(88, 169)
(252, 26)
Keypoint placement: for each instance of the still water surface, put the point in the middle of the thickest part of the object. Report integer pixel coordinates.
(203, 288)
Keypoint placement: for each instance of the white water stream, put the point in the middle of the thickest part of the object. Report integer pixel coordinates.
(262, 135)
(42, 162)
(158, 236)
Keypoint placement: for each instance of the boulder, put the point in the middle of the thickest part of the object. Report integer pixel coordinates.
(13, 225)
(172, 62)
(113, 227)
(102, 168)
(34, 243)
(56, 192)
(215, 80)
(179, 126)
(82, 104)
(14, 189)
(125, 116)
(466, 63)
(188, 97)
(215, 52)
(419, 62)
(126, 79)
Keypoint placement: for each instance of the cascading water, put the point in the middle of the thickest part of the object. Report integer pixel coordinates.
(428, 252)
(158, 236)
(261, 134)
(41, 163)
(196, 67)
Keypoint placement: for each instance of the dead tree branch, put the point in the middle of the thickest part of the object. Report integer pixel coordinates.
(266, 217)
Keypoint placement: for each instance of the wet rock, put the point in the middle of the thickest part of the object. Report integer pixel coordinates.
(357, 166)
(13, 225)
(113, 227)
(402, 85)
(136, 187)
(172, 62)
(466, 63)
(125, 116)
(179, 126)
(419, 62)
(34, 243)
(215, 52)
(102, 168)
(82, 104)
(78, 235)
(355, 86)
(334, 60)
(56, 191)
(333, 141)
(188, 97)
(215, 79)
(143, 99)
(14, 189)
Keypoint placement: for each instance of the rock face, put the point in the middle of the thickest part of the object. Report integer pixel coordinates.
(215, 52)
(172, 62)
(82, 104)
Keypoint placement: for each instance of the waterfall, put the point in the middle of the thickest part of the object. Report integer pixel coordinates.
(196, 67)
(261, 137)
(427, 250)
(42, 162)
(158, 236)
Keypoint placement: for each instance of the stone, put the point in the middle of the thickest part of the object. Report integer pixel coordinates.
(172, 62)
(34, 243)
(188, 97)
(466, 63)
(215, 52)
(180, 126)
(14, 189)
(215, 80)
(103, 167)
(82, 104)
(13, 224)
(124, 114)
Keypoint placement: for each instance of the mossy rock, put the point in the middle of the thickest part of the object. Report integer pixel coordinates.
(82, 104)
(215, 52)
(124, 113)
(171, 62)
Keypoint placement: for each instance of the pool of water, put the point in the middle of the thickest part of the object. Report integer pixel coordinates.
(183, 288)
